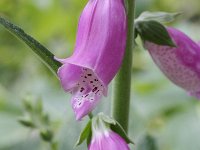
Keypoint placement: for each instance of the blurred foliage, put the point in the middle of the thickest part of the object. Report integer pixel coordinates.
(158, 107)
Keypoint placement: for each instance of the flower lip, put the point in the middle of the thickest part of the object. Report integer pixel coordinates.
(64, 61)
(83, 84)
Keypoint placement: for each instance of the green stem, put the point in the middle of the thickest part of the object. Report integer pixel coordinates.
(122, 82)
(46, 56)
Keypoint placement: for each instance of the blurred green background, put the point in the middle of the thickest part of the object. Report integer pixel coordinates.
(159, 109)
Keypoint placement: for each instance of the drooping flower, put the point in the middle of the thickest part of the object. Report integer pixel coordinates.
(103, 138)
(181, 64)
(98, 53)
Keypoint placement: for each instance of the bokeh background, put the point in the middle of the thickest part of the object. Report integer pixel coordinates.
(162, 116)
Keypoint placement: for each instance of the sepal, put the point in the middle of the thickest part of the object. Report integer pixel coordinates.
(160, 16)
(154, 32)
(85, 134)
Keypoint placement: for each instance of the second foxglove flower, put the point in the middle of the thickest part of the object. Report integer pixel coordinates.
(181, 64)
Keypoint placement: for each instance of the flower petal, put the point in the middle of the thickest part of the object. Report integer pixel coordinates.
(180, 64)
(110, 141)
(69, 75)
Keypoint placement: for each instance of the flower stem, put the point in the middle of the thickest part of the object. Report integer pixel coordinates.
(122, 82)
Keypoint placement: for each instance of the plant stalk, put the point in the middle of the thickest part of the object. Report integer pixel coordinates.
(122, 82)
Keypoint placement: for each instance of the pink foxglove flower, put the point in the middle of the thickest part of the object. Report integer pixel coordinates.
(107, 140)
(181, 64)
(98, 53)
(103, 138)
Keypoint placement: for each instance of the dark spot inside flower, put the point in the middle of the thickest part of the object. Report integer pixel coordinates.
(83, 80)
(89, 74)
(86, 95)
(91, 81)
(94, 89)
(85, 76)
(82, 89)
(79, 103)
(91, 99)
(97, 91)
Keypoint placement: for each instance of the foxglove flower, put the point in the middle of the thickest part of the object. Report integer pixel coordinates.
(98, 53)
(181, 64)
(103, 138)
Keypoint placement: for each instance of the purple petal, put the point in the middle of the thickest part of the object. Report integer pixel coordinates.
(69, 75)
(101, 38)
(100, 46)
(108, 141)
(180, 64)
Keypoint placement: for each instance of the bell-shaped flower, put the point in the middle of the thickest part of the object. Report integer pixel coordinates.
(181, 64)
(103, 138)
(98, 53)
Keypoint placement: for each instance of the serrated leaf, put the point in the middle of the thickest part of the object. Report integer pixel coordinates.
(147, 142)
(154, 32)
(46, 56)
(84, 134)
(118, 129)
(162, 17)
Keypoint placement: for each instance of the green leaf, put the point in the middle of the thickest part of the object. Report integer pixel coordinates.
(162, 17)
(46, 56)
(46, 135)
(106, 119)
(39, 107)
(26, 122)
(154, 32)
(118, 129)
(85, 134)
(89, 138)
(27, 105)
(147, 142)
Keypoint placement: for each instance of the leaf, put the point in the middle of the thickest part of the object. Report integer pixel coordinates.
(106, 119)
(46, 56)
(46, 135)
(155, 32)
(85, 134)
(39, 106)
(147, 142)
(89, 138)
(162, 17)
(118, 129)
(26, 122)
(27, 105)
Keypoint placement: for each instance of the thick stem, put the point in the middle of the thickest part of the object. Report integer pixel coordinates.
(122, 82)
